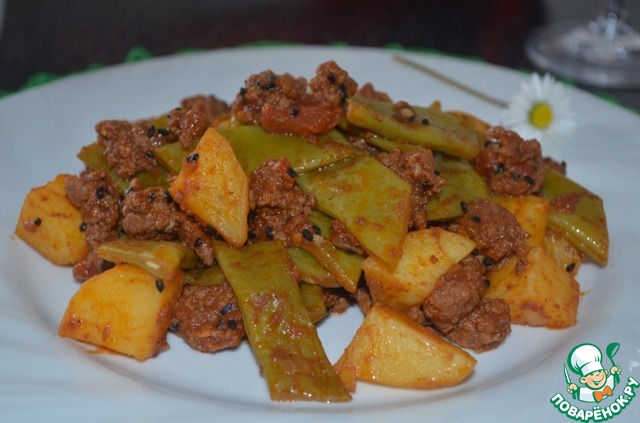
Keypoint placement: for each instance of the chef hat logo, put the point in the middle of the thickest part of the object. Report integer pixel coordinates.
(585, 359)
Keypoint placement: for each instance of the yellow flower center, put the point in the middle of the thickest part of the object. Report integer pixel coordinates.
(541, 115)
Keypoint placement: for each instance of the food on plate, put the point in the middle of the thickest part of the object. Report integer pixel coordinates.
(257, 219)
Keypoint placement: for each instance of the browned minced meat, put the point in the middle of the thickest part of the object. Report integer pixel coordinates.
(336, 300)
(279, 207)
(484, 328)
(127, 146)
(190, 122)
(368, 91)
(99, 201)
(341, 237)
(285, 104)
(207, 105)
(199, 239)
(456, 294)
(510, 164)
(495, 230)
(208, 318)
(417, 168)
(560, 167)
(152, 214)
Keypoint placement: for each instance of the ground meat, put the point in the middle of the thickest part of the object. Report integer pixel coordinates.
(98, 199)
(337, 301)
(199, 239)
(560, 167)
(495, 230)
(279, 208)
(369, 92)
(511, 165)
(127, 146)
(150, 214)
(284, 104)
(332, 84)
(456, 294)
(206, 105)
(484, 328)
(341, 237)
(208, 318)
(417, 168)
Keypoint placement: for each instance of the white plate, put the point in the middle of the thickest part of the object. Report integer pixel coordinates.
(44, 377)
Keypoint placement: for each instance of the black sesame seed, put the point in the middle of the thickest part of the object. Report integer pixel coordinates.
(292, 172)
(192, 158)
(151, 197)
(226, 308)
(332, 78)
(499, 168)
(294, 112)
(342, 88)
(167, 197)
(436, 172)
(150, 131)
(83, 227)
(307, 235)
(475, 252)
(425, 121)
(463, 206)
(163, 132)
(198, 243)
(487, 283)
(529, 179)
(426, 185)
(570, 267)
(252, 234)
(243, 91)
(100, 193)
(175, 326)
(37, 221)
(476, 218)
(148, 155)
(212, 232)
(317, 229)
(232, 324)
(159, 285)
(487, 261)
(268, 232)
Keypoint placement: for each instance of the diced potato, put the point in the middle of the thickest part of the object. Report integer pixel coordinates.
(539, 292)
(531, 212)
(427, 255)
(51, 224)
(393, 350)
(124, 309)
(213, 186)
(563, 251)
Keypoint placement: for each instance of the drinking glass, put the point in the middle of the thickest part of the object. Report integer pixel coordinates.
(603, 52)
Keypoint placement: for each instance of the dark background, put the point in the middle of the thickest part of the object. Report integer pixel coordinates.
(63, 36)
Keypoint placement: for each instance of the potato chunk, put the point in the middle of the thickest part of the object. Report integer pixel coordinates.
(542, 294)
(124, 309)
(51, 225)
(427, 255)
(391, 349)
(213, 186)
(531, 211)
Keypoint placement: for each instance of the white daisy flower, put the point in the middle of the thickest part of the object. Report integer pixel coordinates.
(541, 110)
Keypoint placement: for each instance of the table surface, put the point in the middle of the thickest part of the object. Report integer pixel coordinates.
(64, 36)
